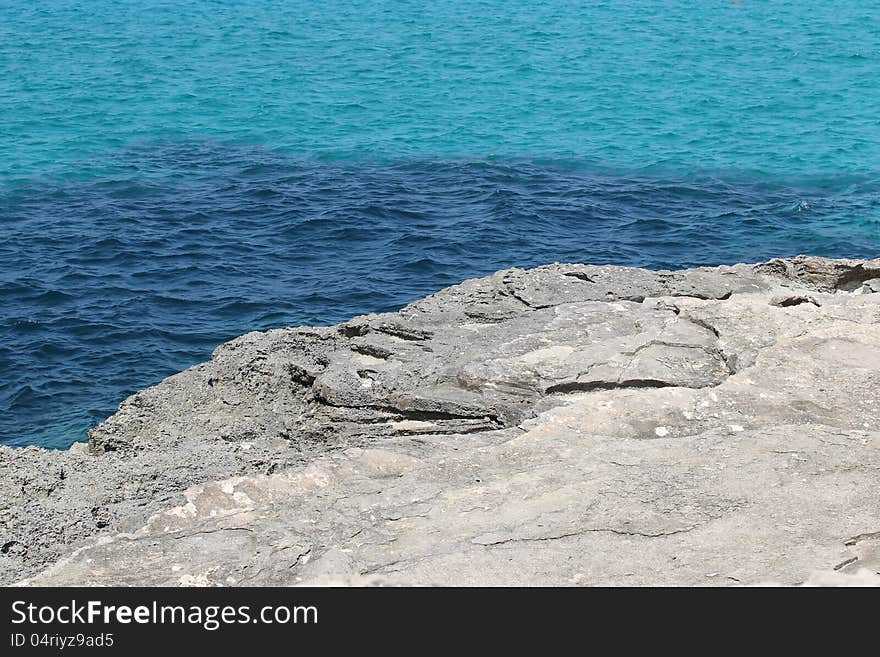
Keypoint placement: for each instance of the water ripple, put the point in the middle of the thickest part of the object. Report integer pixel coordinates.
(110, 283)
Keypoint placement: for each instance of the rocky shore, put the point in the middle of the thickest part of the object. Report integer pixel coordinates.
(569, 424)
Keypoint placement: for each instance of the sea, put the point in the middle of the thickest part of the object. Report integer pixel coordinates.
(174, 174)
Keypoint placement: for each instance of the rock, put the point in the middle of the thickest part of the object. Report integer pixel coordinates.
(869, 287)
(825, 578)
(569, 424)
(786, 300)
(822, 274)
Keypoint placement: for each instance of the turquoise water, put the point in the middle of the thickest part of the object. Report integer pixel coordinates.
(783, 87)
(174, 174)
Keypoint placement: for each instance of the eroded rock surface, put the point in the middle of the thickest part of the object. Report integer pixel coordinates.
(569, 424)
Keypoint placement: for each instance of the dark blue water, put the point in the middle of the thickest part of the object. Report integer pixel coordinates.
(114, 281)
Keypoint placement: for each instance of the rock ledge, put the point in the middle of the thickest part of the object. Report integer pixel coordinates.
(569, 424)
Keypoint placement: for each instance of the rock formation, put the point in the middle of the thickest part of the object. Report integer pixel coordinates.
(569, 424)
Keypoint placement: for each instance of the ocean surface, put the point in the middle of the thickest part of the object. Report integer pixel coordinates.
(175, 174)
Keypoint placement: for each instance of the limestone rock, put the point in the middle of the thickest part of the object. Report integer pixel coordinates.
(569, 424)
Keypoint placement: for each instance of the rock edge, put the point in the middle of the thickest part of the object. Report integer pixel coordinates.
(533, 380)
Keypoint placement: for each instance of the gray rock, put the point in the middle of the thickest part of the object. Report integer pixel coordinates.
(569, 424)
(786, 300)
(869, 287)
